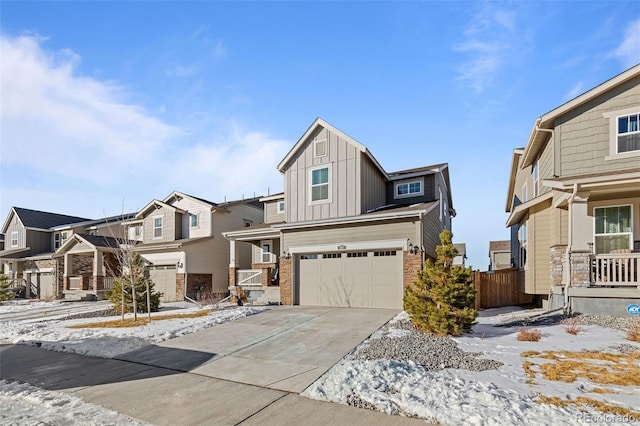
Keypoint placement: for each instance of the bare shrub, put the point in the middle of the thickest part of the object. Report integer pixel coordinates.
(572, 326)
(529, 335)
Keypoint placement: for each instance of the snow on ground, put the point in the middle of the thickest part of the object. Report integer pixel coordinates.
(492, 397)
(111, 342)
(25, 405)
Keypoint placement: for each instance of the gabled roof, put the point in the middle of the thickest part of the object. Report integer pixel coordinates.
(499, 245)
(515, 162)
(96, 223)
(178, 195)
(98, 241)
(158, 204)
(319, 122)
(402, 174)
(41, 220)
(542, 126)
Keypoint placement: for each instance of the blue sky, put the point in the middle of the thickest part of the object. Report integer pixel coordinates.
(107, 105)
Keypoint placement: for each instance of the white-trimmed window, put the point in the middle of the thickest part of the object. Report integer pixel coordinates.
(280, 207)
(628, 133)
(522, 244)
(247, 223)
(320, 188)
(320, 148)
(59, 238)
(534, 173)
(613, 229)
(524, 192)
(193, 220)
(266, 252)
(157, 227)
(137, 231)
(408, 189)
(14, 239)
(441, 205)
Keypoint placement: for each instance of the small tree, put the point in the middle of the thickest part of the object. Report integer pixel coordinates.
(131, 287)
(6, 293)
(442, 300)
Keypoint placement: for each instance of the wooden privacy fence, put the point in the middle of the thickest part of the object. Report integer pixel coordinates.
(499, 288)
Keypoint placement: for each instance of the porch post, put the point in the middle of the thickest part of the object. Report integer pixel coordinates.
(233, 265)
(580, 235)
(68, 270)
(98, 275)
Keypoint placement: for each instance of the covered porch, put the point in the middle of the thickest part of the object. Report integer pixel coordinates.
(254, 263)
(90, 266)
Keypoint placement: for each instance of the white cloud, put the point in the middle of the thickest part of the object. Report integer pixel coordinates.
(629, 48)
(576, 90)
(75, 144)
(491, 41)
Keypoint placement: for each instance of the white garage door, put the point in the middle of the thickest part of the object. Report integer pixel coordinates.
(164, 280)
(44, 281)
(363, 279)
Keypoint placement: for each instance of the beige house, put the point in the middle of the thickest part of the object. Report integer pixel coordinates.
(499, 255)
(180, 238)
(31, 257)
(344, 232)
(574, 201)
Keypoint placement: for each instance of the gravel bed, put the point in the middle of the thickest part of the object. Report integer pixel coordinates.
(401, 341)
(94, 314)
(617, 323)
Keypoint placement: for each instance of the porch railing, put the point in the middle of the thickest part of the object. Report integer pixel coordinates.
(108, 283)
(616, 269)
(75, 283)
(249, 277)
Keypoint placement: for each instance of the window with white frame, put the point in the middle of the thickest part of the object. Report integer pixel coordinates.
(628, 133)
(59, 238)
(522, 244)
(320, 184)
(280, 207)
(266, 252)
(408, 189)
(441, 205)
(137, 230)
(14, 239)
(157, 227)
(534, 173)
(524, 192)
(613, 229)
(193, 220)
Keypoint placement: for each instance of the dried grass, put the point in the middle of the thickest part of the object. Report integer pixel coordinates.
(633, 333)
(602, 390)
(529, 335)
(583, 401)
(129, 322)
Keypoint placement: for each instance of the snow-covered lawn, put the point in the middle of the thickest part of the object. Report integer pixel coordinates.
(492, 397)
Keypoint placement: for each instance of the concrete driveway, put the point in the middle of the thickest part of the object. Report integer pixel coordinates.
(285, 348)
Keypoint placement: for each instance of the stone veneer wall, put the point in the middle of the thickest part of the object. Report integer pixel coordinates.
(557, 264)
(286, 282)
(194, 280)
(180, 282)
(411, 265)
(580, 268)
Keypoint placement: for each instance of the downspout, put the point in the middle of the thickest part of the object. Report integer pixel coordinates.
(568, 252)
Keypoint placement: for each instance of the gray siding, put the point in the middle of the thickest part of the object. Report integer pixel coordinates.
(15, 226)
(584, 133)
(168, 225)
(354, 233)
(344, 188)
(372, 186)
(39, 242)
(271, 214)
(431, 229)
(429, 191)
(545, 167)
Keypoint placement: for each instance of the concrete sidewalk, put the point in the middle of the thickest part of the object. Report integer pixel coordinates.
(163, 396)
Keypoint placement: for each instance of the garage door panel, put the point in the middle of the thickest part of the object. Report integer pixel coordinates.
(356, 279)
(164, 280)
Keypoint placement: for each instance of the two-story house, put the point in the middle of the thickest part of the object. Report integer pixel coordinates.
(180, 238)
(344, 232)
(30, 257)
(499, 255)
(574, 201)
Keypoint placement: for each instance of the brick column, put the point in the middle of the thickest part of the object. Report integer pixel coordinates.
(411, 265)
(580, 268)
(232, 275)
(98, 282)
(180, 286)
(286, 282)
(557, 261)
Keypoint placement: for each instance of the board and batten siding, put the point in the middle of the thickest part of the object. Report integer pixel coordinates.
(584, 132)
(168, 225)
(271, 214)
(15, 226)
(38, 241)
(344, 160)
(373, 186)
(339, 234)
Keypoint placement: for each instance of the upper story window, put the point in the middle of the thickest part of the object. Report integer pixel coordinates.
(628, 134)
(613, 229)
(59, 238)
(14, 239)
(137, 230)
(193, 220)
(266, 252)
(280, 207)
(320, 182)
(534, 173)
(157, 227)
(408, 189)
(522, 244)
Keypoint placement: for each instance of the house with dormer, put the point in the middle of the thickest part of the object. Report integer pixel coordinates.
(345, 232)
(180, 239)
(574, 201)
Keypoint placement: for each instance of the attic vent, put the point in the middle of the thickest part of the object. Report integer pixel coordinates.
(320, 148)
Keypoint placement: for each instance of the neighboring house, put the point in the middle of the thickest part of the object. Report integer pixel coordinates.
(500, 255)
(461, 258)
(30, 257)
(180, 238)
(345, 232)
(574, 201)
